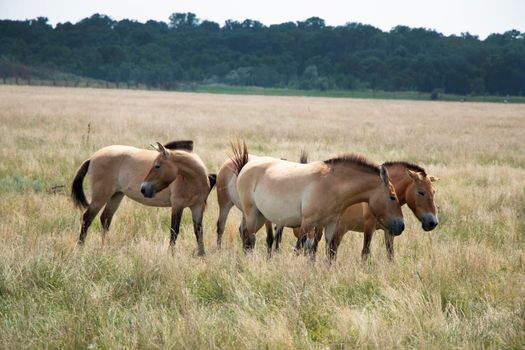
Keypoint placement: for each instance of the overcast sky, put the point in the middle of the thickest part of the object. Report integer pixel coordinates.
(479, 17)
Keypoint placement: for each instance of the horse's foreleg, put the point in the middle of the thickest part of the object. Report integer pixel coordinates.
(370, 227)
(269, 237)
(329, 234)
(389, 242)
(176, 216)
(318, 235)
(336, 241)
(197, 214)
(224, 210)
(301, 240)
(108, 212)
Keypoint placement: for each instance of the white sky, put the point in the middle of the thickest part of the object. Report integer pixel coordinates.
(479, 17)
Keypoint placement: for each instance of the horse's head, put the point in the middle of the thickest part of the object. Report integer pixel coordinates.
(384, 205)
(420, 199)
(162, 173)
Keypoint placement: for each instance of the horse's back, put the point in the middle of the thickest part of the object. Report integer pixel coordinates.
(277, 188)
(120, 168)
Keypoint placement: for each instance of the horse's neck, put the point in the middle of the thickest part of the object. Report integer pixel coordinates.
(189, 167)
(357, 185)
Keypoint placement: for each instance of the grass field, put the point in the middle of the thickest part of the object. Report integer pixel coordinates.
(459, 286)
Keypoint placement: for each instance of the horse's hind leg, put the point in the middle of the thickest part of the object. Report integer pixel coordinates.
(278, 236)
(108, 212)
(224, 210)
(87, 219)
(254, 221)
(269, 237)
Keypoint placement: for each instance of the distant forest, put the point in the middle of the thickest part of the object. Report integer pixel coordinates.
(305, 55)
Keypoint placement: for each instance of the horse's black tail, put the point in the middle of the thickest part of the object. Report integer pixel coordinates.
(240, 155)
(303, 157)
(213, 179)
(77, 192)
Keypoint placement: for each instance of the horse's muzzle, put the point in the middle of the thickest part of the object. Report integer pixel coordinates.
(396, 226)
(429, 222)
(147, 190)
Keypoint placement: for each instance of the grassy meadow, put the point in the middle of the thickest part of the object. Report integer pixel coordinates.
(459, 286)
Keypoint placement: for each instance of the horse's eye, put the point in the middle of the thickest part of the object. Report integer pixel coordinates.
(157, 166)
(392, 197)
(421, 193)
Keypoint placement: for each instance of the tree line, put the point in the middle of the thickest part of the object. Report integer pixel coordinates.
(305, 54)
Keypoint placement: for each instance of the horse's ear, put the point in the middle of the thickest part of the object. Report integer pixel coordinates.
(413, 175)
(161, 149)
(384, 175)
(433, 178)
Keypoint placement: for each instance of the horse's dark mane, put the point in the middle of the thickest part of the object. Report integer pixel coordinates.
(354, 159)
(186, 145)
(408, 165)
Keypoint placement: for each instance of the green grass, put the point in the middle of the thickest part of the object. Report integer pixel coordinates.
(459, 286)
(367, 94)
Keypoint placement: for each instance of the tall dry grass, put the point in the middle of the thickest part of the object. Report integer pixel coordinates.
(460, 286)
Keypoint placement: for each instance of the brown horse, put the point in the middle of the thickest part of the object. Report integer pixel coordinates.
(309, 195)
(178, 178)
(228, 197)
(413, 187)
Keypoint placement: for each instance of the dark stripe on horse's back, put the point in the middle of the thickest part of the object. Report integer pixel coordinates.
(180, 144)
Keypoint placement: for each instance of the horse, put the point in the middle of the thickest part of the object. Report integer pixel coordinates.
(227, 197)
(309, 195)
(177, 179)
(413, 187)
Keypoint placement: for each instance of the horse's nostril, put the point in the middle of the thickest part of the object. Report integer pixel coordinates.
(142, 190)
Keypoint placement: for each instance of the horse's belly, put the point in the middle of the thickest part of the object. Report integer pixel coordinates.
(280, 213)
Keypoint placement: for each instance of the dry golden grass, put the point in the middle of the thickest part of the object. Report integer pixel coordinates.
(460, 286)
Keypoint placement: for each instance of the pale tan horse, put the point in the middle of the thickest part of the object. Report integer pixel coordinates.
(175, 178)
(309, 195)
(413, 187)
(227, 197)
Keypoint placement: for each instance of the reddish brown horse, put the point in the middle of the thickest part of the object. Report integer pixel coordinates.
(413, 187)
(175, 178)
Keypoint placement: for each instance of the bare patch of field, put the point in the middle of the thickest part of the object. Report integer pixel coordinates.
(460, 286)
